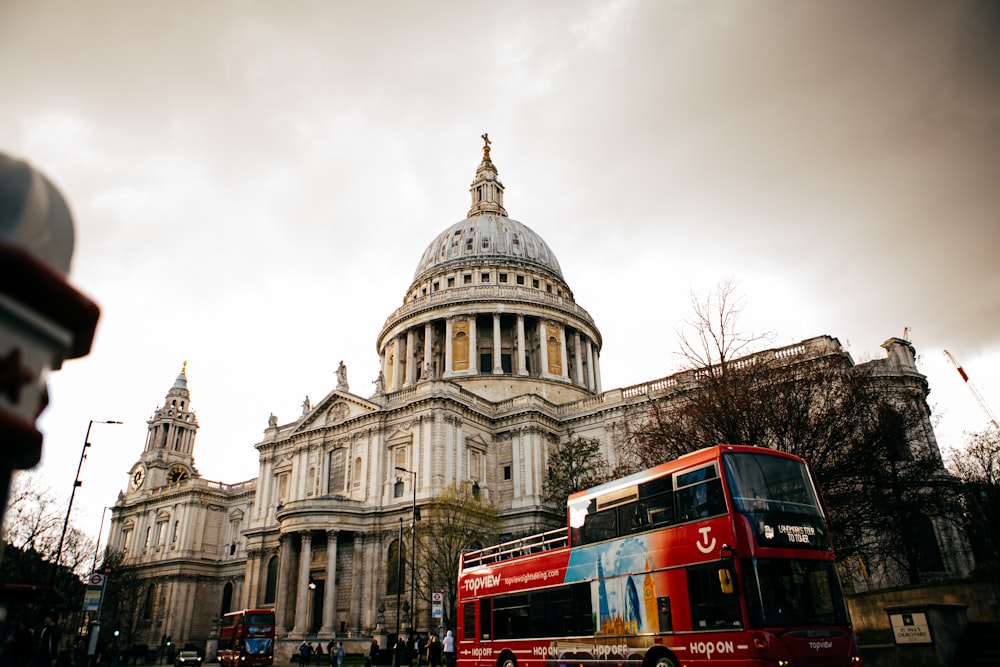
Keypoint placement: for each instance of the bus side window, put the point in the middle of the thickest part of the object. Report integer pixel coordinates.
(469, 620)
(633, 518)
(711, 605)
(485, 618)
(660, 510)
(700, 501)
(600, 526)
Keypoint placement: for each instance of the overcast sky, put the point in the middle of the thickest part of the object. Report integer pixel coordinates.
(253, 185)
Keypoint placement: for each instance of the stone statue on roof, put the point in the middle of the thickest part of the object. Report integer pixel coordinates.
(342, 378)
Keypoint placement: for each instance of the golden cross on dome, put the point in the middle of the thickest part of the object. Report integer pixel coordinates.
(486, 145)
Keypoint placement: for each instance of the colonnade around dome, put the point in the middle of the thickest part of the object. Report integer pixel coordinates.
(468, 345)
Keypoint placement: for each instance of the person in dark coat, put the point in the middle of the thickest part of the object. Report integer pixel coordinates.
(434, 651)
(47, 646)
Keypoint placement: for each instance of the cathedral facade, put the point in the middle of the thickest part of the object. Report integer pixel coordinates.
(488, 365)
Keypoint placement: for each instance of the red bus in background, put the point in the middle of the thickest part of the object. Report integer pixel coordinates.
(721, 557)
(246, 638)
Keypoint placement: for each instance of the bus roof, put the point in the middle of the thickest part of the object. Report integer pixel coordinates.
(693, 458)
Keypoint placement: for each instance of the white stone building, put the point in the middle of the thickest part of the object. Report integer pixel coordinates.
(485, 367)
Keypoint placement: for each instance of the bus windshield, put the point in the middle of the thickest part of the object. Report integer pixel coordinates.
(775, 493)
(783, 592)
(258, 646)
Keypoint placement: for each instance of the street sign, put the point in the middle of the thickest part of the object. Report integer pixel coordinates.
(92, 599)
(96, 580)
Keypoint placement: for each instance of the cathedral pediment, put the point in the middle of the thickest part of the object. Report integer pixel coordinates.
(336, 407)
(476, 441)
(399, 436)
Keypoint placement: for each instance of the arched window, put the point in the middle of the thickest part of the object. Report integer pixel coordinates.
(926, 545)
(357, 472)
(147, 603)
(395, 568)
(227, 598)
(272, 580)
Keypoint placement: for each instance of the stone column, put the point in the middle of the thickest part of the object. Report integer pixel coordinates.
(579, 359)
(522, 353)
(497, 365)
(597, 371)
(251, 576)
(284, 572)
(562, 350)
(397, 364)
(330, 590)
(411, 361)
(473, 346)
(359, 568)
(302, 590)
(517, 450)
(543, 349)
(384, 364)
(428, 348)
(363, 582)
(529, 443)
(447, 348)
(591, 384)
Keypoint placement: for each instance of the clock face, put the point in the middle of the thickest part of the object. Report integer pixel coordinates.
(138, 477)
(177, 474)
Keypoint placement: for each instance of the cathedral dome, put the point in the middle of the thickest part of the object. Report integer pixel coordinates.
(487, 239)
(488, 307)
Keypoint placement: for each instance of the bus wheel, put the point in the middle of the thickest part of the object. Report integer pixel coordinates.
(507, 659)
(663, 660)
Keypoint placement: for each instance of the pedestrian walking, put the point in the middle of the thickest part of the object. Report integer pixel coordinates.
(304, 652)
(397, 652)
(418, 648)
(434, 651)
(341, 654)
(449, 649)
(47, 646)
(373, 653)
(331, 650)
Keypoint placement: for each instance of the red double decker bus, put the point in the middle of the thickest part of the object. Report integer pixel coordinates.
(246, 638)
(721, 557)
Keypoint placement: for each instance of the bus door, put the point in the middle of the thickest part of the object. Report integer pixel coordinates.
(477, 629)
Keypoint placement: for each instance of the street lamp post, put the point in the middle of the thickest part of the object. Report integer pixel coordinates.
(413, 552)
(399, 583)
(76, 483)
(97, 547)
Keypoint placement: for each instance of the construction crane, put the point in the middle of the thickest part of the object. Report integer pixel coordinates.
(972, 388)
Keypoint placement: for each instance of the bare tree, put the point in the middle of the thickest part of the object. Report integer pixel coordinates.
(978, 468)
(711, 335)
(32, 527)
(455, 522)
(122, 603)
(865, 437)
(575, 465)
(34, 517)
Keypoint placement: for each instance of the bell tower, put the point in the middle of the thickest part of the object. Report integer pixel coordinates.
(168, 455)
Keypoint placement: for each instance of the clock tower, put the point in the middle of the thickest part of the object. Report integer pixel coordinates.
(168, 455)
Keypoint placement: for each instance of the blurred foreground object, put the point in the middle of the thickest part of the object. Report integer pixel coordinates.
(43, 320)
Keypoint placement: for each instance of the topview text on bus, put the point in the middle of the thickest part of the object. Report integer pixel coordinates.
(721, 557)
